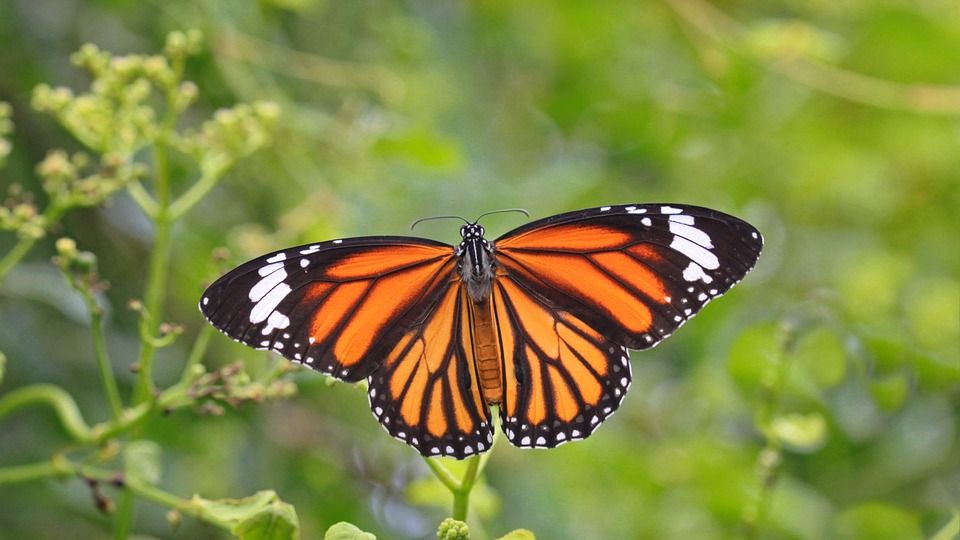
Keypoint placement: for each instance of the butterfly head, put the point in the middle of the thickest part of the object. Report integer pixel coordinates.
(472, 231)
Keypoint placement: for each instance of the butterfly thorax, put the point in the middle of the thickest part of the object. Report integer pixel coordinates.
(476, 262)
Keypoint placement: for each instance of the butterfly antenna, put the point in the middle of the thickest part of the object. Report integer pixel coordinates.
(505, 210)
(431, 218)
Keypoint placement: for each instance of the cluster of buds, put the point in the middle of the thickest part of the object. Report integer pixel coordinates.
(232, 385)
(452, 529)
(19, 213)
(71, 180)
(79, 267)
(117, 114)
(230, 135)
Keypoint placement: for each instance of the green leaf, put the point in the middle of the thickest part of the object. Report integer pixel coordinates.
(821, 354)
(754, 357)
(141, 459)
(261, 516)
(890, 392)
(278, 521)
(877, 521)
(800, 432)
(518, 534)
(347, 531)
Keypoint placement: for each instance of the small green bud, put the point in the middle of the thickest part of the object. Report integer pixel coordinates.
(268, 111)
(66, 247)
(86, 262)
(452, 529)
(186, 95)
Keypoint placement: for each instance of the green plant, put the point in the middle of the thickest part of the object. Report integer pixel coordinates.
(132, 109)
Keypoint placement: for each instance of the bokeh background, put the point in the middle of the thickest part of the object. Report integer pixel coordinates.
(819, 399)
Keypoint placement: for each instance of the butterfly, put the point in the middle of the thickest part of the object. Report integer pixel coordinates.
(538, 322)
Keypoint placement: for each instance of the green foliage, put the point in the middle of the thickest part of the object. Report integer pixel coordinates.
(819, 399)
(347, 531)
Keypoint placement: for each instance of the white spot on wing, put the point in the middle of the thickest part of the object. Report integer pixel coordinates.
(695, 252)
(689, 232)
(268, 303)
(669, 210)
(304, 263)
(266, 284)
(277, 258)
(605, 209)
(694, 271)
(276, 320)
(646, 221)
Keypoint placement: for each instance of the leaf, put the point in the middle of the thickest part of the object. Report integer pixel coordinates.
(877, 521)
(278, 521)
(518, 534)
(347, 531)
(141, 459)
(261, 516)
(800, 432)
(821, 353)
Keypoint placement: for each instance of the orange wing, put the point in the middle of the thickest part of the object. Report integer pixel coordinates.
(562, 378)
(426, 392)
(574, 291)
(337, 306)
(633, 273)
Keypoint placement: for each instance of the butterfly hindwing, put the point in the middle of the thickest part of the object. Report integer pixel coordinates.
(635, 273)
(334, 306)
(426, 392)
(562, 378)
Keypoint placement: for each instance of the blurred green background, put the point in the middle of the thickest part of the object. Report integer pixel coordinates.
(819, 399)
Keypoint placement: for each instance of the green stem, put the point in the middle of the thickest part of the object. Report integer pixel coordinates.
(143, 199)
(103, 358)
(156, 273)
(196, 353)
(59, 400)
(461, 497)
(123, 518)
(459, 488)
(196, 192)
(28, 473)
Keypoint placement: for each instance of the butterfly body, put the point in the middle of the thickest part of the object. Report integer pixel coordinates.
(538, 322)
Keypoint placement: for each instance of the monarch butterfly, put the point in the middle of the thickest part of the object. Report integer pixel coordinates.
(538, 322)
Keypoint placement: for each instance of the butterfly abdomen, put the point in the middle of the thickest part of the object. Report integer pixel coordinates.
(486, 351)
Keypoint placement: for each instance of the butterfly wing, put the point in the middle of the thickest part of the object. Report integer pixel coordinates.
(634, 273)
(426, 392)
(562, 377)
(574, 290)
(335, 306)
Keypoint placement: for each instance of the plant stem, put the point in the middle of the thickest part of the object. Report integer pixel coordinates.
(459, 488)
(103, 358)
(197, 352)
(159, 263)
(27, 473)
(123, 517)
(197, 191)
(62, 403)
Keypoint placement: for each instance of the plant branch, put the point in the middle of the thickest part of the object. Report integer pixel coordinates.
(58, 399)
(196, 192)
(103, 358)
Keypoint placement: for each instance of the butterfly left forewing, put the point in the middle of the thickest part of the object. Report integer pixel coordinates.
(332, 305)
